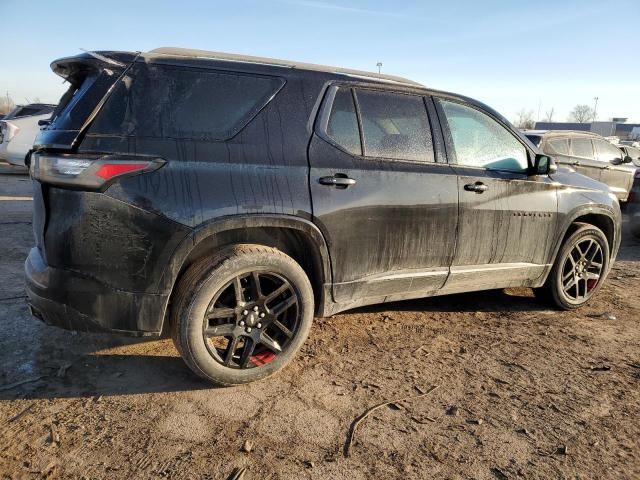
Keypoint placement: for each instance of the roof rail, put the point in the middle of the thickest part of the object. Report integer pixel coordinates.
(232, 57)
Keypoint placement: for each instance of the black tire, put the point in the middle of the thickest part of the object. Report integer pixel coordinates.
(555, 291)
(205, 283)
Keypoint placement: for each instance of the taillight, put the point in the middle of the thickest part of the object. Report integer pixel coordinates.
(92, 172)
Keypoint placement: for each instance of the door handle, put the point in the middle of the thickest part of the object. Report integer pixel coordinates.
(338, 180)
(606, 167)
(477, 187)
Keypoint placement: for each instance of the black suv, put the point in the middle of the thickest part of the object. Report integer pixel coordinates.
(230, 199)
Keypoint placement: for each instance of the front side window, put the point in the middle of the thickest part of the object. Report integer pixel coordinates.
(343, 122)
(634, 153)
(558, 147)
(162, 101)
(480, 141)
(582, 147)
(605, 152)
(395, 126)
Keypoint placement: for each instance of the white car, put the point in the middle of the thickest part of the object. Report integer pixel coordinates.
(17, 136)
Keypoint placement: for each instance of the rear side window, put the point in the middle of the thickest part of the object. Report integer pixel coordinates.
(582, 147)
(162, 101)
(559, 146)
(395, 126)
(343, 122)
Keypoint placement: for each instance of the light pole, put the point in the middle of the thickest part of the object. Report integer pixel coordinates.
(595, 108)
(379, 65)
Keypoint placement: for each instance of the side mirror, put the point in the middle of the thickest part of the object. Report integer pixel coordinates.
(544, 165)
(627, 159)
(616, 161)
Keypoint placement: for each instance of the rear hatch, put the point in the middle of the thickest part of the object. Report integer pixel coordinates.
(91, 77)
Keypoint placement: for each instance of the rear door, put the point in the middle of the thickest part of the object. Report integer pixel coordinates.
(618, 177)
(583, 158)
(507, 217)
(382, 194)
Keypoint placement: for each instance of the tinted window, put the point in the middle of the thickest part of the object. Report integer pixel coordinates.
(480, 141)
(343, 122)
(581, 147)
(160, 101)
(395, 126)
(559, 146)
(605, 152)
(81, 99)
(535, 139)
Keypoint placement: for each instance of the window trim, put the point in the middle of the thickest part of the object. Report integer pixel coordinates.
(448, 138)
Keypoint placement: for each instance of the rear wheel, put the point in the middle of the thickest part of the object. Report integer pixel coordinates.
(579, 270)
(242, 315)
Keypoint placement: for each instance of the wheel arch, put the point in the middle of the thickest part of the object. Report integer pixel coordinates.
(600, 217)
(297, 237)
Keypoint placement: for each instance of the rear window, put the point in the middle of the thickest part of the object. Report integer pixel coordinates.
(81, 99)
(395, 126)
(169, 102)
(559, 146)
(343, 122)
(582, 147)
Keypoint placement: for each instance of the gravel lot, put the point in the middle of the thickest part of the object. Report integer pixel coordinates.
(522, 391)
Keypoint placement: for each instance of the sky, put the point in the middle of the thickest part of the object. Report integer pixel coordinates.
(512, 55)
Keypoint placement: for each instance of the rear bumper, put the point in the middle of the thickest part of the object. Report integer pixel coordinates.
(75, 302)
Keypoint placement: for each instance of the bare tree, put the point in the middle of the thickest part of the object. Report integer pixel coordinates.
(581, 114)
(524, 119)
(6, 104)
(548, 116)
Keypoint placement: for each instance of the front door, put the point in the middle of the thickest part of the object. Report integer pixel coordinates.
(507, 217)
(387, 208)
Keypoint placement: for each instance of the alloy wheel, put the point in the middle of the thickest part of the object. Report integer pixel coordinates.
(582, 270)
(251, 320)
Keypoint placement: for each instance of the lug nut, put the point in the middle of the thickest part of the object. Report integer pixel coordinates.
(245, 312)
(242, 323)
(262, 315)
(248, 329)
(255, 309)
(259, 325)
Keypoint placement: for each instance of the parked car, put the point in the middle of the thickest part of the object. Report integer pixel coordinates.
(17, 135)
(633, 209)
(30, 110)
(588, 154)
(229, 199)
(631, 152)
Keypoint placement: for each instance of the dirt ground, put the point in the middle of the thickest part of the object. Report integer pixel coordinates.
(522, 391)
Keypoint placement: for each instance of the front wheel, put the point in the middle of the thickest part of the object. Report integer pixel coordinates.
(579, 270)
(242, 315)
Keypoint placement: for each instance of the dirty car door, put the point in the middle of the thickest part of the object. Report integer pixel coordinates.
(583, 158)
(386, 207)
(507, 217)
